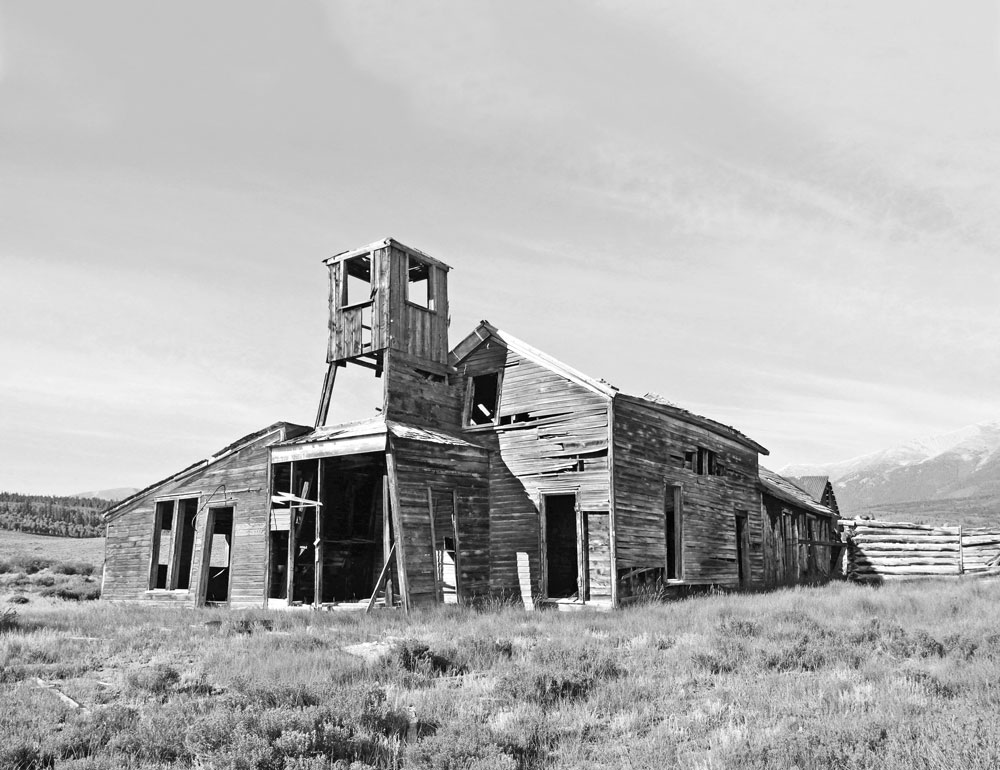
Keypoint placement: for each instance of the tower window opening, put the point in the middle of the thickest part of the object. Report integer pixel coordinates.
(419, 287)
(357, 287)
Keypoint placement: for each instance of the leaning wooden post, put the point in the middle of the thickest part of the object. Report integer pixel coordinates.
(397, 523)
(387, 541)
(324, 401)
(318, 544)
(438, 597)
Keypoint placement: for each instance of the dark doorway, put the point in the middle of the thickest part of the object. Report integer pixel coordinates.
(672, 517)
(561, 550)
(218, 552)
(743, 547)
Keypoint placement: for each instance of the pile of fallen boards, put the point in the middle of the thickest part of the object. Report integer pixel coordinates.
(884, 550)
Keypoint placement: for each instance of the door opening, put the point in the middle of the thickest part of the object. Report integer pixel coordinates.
(561, 554)
(672, 518)
(218, 552)
(743, 547)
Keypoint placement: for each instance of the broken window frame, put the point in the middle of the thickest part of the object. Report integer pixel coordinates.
(348, 298)
(702, 461)
(470, 400)
(414, 263)
(175, 506)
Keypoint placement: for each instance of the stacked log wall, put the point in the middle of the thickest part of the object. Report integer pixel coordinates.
(880, 550)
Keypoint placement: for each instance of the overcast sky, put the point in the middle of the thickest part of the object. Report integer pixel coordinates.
(782, 215)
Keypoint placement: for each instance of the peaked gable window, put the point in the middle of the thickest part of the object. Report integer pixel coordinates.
(483, 399)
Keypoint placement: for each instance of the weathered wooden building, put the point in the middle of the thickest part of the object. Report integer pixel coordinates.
(490, 469)
(801, 538)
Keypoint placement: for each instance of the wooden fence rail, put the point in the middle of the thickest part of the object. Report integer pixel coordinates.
(882, 550)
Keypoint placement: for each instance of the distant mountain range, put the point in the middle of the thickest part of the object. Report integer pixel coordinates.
(114, 495)
(954, 477)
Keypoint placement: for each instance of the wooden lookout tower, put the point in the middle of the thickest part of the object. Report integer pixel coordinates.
(389, 313)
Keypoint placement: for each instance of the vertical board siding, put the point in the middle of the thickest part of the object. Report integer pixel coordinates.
(130, 534)
(415, 330)
(787, 559)
(559, 444)
(442, 468)
(647, 441)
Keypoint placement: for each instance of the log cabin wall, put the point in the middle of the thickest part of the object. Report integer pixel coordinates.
(239, 479)
(425, 473)
(652, 451)
(549, 436)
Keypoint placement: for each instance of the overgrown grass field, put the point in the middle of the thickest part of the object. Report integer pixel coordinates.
(904, 676)
(17, 544)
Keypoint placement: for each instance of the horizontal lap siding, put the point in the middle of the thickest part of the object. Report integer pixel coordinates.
(412, 398)
(646, 442)
(443, 467)
(567, 424)
(129, 536)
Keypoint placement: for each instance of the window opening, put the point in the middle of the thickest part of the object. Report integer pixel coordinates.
(702, 461)
(419, 289)
(161, 543)
(357, 287)
(484, 398)
(187, 514)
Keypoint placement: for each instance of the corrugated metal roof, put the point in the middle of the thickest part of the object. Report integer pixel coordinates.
(814, 485)
(376, 426)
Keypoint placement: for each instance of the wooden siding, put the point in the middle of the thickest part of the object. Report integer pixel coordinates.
(791, 544)
(649, 448)
(413, 329)
(395, 322)
(558, 443)
(413, 397)
(444, 469)
(240, 480)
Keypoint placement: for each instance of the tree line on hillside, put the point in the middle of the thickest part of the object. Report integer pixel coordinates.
(50, 515)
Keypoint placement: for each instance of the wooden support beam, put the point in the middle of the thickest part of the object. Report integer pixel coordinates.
(173, 555)
(397, 525)
(292, 544)
(438, 595)
(324, 401)
(382, 576)
(387, 543)
(458, 546)
(318, 543)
